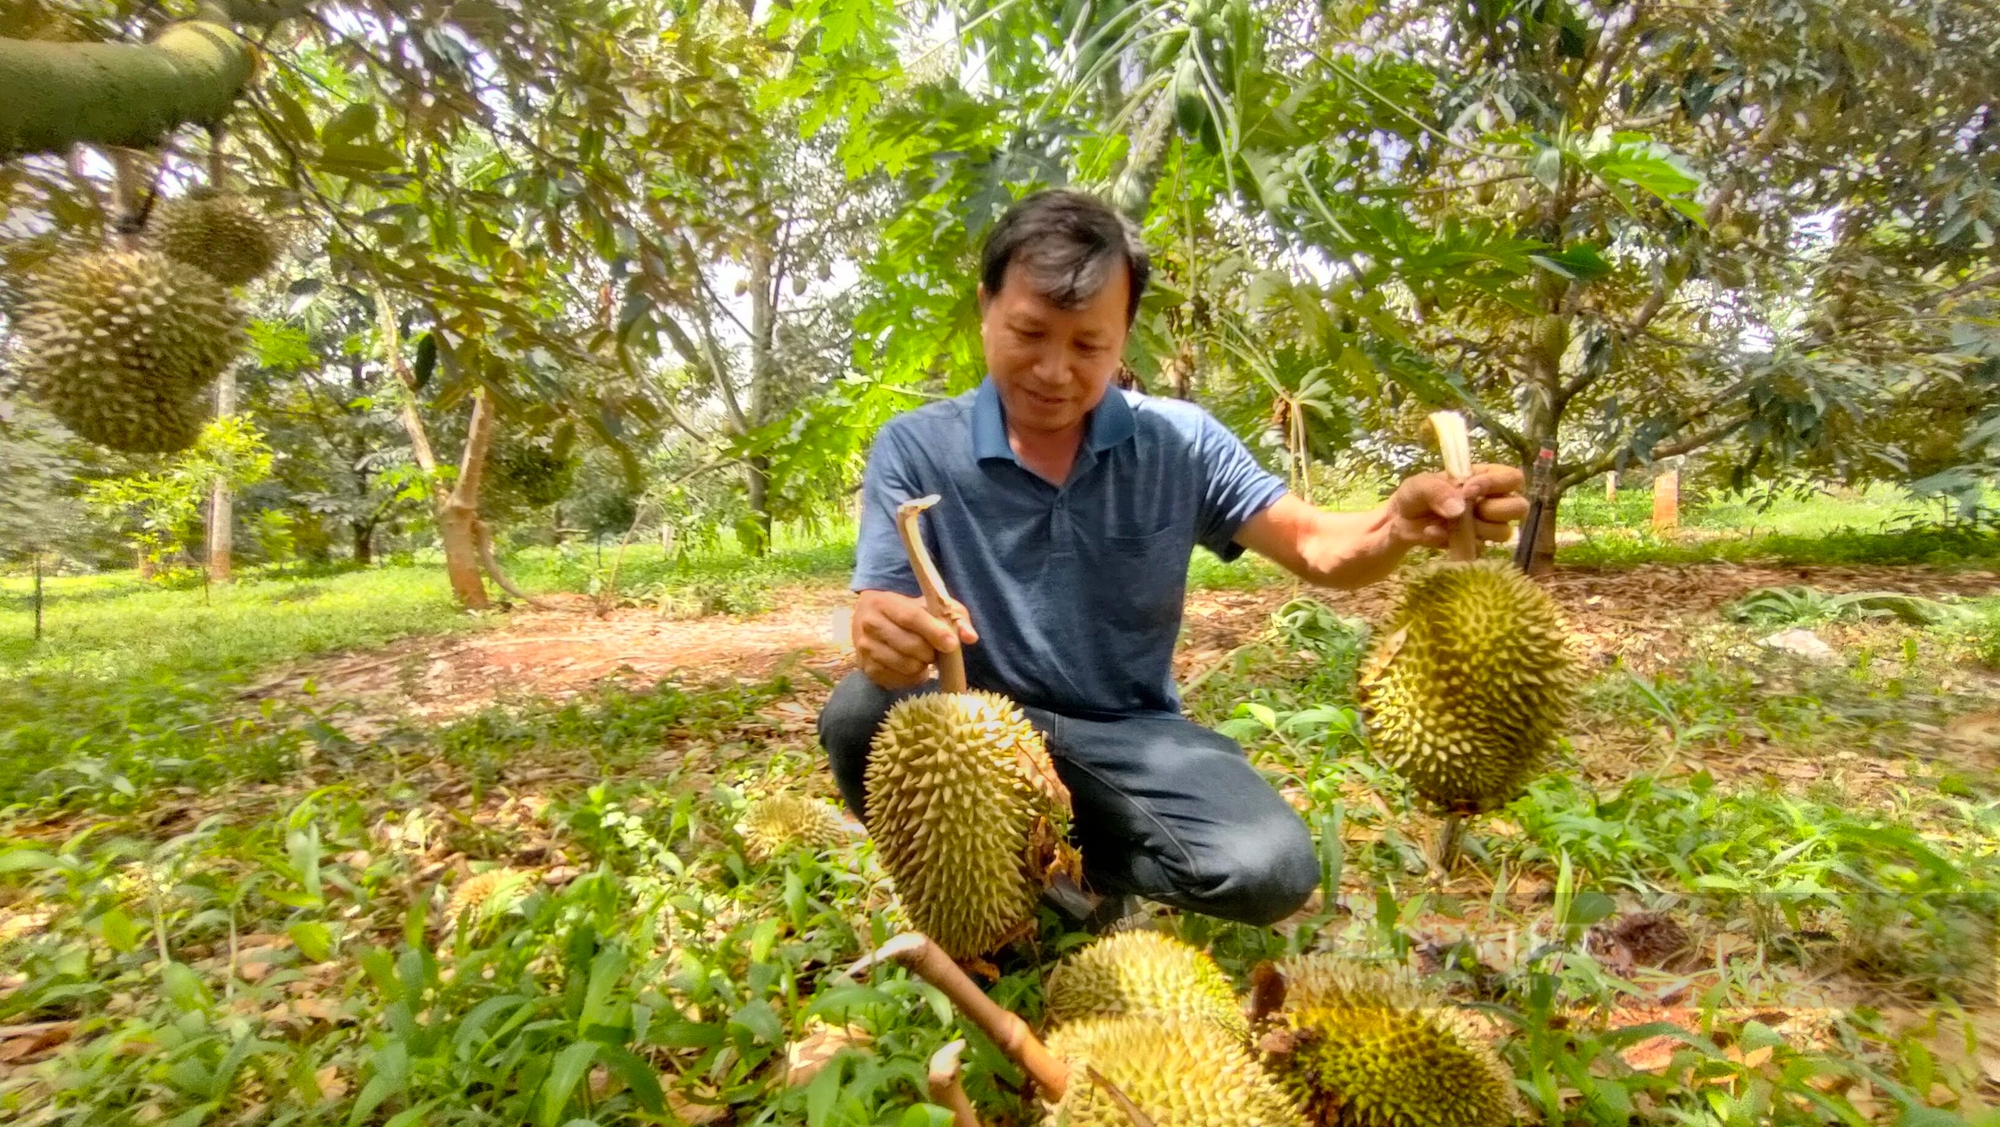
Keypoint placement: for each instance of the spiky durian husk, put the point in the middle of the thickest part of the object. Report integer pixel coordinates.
(1469, 683)
(225, 236)
(487, 894)
(773, 825)
(1178, 1073)
(955, 790)
(1359, 1047)
(121, 345)
(1143, 974)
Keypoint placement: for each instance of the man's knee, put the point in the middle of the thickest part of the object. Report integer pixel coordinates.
(1263, 873)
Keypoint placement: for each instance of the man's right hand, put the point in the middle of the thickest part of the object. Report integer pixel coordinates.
(897, 638)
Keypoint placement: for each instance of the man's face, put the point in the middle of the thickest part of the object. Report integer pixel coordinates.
(1051, 365)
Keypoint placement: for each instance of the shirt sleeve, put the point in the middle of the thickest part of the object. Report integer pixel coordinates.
(1234, 487)
(880, 563)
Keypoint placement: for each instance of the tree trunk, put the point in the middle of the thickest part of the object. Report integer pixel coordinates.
(364, 544)
(757, 469)
(765, 278)
(1544, 560)
(458, 515)
(1667, 498)
(118, 94)
(221, 520)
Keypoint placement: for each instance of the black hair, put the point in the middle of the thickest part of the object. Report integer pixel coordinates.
(1068, 242)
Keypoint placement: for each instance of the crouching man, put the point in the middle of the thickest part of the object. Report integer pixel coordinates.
(1068, 512)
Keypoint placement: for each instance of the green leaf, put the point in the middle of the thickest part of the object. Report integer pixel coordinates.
(823, 1091)
(925, 1115)
(391, 1067)
(355, 121)
(313, 940)
(639, 1075)
(605, 970)
(564, 1075)
(1581, 262)
(27, 860)
(757, 1016)
(119, 931)
(689, 1035)
(763, 939)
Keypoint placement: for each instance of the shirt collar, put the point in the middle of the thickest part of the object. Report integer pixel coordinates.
(1111, 422)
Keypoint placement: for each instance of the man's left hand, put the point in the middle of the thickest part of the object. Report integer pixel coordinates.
(1424, 507)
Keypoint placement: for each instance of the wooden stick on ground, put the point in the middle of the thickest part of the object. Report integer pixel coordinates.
(946, 1091)
(928, 961)
(951, 663)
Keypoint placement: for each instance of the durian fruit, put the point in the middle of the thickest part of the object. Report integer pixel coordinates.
(1468, 684)
(1358, 1047)
(1177, 1073)
(121, 346)
(960, 793)
(774, 825)
(220, 234)
(1143, 974)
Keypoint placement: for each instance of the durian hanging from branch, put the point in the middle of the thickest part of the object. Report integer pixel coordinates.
(122, 346)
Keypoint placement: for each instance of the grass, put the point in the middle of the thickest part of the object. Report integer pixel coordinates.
(269, 940)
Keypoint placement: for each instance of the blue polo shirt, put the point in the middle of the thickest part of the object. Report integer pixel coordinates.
(1076, 591)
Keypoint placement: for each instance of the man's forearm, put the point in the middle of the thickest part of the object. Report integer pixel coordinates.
(1325, 548)
(1349, 549)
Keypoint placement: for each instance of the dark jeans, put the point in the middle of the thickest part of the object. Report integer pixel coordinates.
(1164, 808)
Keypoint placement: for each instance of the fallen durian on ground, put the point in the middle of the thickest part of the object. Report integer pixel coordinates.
(1178, 1073)
(957, 801)
(772, 826)
(121, 346)
(1143, 974)
(1468, 684)
(963, 803)
(1359, 1047)
(225, 236)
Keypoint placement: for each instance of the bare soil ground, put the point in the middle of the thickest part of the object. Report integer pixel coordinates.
(570, 646)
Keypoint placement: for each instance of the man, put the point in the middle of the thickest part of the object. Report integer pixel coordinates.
(1068, 513)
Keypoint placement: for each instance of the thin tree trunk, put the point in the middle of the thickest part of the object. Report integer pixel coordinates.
(364, 545)
(220, 509)
(764, 281)
(458, 515)
(1544, 560)
(122, 94)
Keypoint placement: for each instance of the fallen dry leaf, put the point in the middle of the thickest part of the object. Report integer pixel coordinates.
(806, 1056)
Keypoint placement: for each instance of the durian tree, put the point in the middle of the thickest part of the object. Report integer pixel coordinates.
(1610, 229)
(494, 183)
(1627, 235)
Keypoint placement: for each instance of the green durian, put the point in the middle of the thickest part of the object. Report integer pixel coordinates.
(774, 825)
(224, 236)
(122, 345)
(1178, 1073)
(960, 797)
(1143, 974)
(1358, 1047)
(1468, 685)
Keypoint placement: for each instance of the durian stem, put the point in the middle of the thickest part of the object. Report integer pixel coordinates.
(928, 961)
(950, 663)
(946, 1091)
(1456, 447)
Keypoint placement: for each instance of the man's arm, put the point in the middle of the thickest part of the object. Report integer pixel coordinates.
(1356, 549)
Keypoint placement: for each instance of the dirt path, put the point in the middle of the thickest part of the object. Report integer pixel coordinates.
(1639, 613)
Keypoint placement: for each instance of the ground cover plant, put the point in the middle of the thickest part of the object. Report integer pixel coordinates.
(1754, 888)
